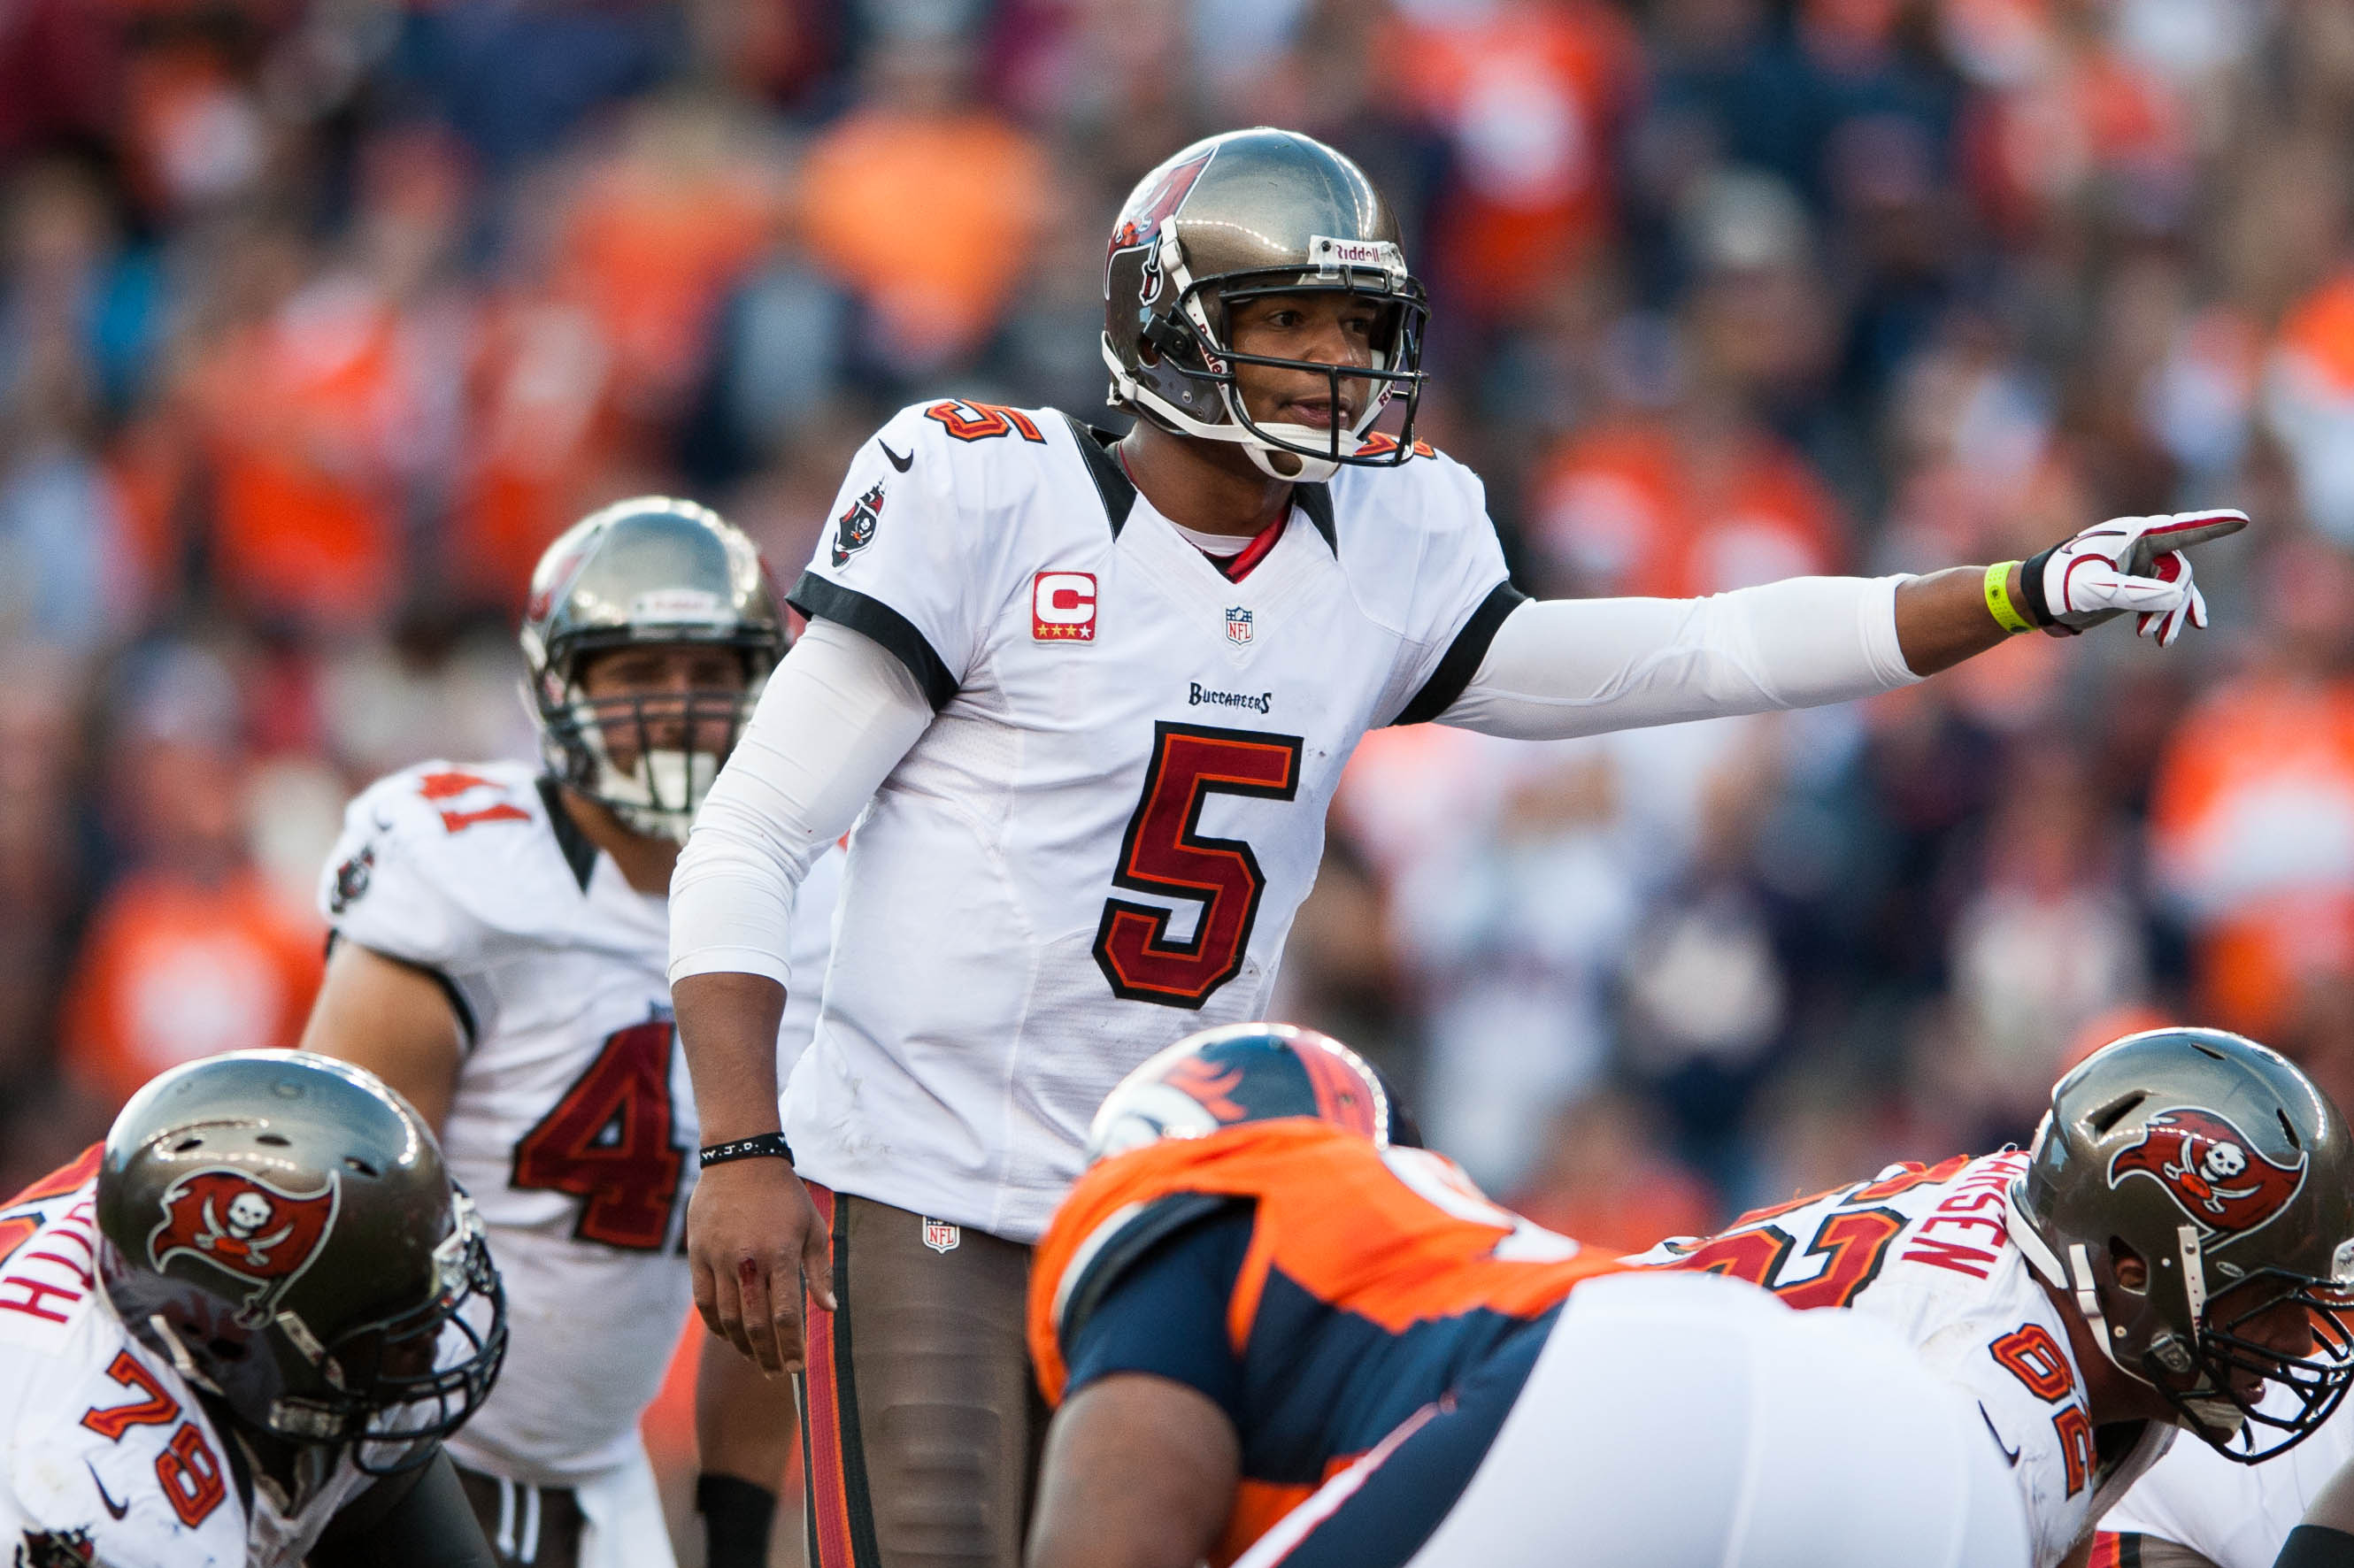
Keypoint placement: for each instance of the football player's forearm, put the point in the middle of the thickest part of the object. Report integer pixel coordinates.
(728, 1027)
(1560, 668)
(1942, 619)
(836, 717)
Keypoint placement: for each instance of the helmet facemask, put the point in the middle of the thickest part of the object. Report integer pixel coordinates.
(2297, 1391)
(649, 757)
(650, 573)
(394, 1390)
(1239, 216)
(1191, 339)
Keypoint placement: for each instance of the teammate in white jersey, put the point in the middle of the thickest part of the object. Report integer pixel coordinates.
(500, 932)
(2163, 1257)
(2198, 1509)
(235, 1334)
(1093, 696)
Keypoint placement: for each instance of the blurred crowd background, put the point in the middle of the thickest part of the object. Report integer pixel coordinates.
(318, 318)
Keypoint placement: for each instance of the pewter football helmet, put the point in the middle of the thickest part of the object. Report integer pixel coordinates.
(2228, 1172)
(1241, 215)
(280, 1225)
(648, 570)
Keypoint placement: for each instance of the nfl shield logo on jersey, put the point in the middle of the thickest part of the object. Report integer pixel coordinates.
(939, 1236)
(1239, 624)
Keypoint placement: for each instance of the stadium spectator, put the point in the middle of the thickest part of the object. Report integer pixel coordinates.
(194, 951)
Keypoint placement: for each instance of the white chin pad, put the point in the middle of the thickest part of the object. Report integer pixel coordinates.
(658, 797)
(2217, 1415)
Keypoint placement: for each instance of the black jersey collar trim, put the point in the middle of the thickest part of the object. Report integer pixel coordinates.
(578, 853)
(1316, 500)
(1118, 491)
(1463, 656)
(823, 599)
(1112, 481)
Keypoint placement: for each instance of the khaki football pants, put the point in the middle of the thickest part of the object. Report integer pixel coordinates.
(921, 1424)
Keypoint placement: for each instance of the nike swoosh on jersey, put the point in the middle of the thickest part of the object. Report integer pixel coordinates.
(116, 1509)
(2010, 1454)
(902, 463)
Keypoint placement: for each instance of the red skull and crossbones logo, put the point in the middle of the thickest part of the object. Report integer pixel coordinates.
(2213, 1171)
(239, 1222)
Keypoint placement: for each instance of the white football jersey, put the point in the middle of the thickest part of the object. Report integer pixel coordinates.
(106, 1455)
(1099, 845)
(573, 1126)
(2236, 1516)
(1928, 1251)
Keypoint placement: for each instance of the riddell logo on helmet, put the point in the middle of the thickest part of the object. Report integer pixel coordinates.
(246, 1226)
(1333, 254)
(2222, 1182)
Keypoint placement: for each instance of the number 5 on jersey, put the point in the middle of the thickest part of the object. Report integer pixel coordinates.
(1164, 853)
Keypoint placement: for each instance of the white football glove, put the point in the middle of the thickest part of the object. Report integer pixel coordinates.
(2133, 563)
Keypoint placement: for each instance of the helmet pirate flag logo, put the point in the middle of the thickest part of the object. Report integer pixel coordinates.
(244, 1226)
(2218, 1176)
(1140, 224)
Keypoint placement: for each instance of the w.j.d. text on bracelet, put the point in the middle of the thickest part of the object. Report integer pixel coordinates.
(766, 1143)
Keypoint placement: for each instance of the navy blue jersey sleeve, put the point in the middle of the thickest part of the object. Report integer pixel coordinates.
(1166, 1314)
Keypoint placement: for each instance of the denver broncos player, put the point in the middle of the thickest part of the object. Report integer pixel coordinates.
(2168, 1255)
(500, 938)
(1276, 1332)
(235, 1334)
(1093, 695)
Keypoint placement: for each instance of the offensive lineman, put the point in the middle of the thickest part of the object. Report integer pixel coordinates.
(1254, 1289)
(1093, 698)
(2169, 1253)
(500, 938)
(235, 1334)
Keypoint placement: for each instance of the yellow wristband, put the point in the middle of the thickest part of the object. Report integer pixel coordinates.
(1998, 599)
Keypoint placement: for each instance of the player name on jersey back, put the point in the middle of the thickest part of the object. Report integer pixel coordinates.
(1927, 1249)
(1100, 843)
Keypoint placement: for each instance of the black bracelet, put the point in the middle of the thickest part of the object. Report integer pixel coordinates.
(746, 1149)
(2031, 592)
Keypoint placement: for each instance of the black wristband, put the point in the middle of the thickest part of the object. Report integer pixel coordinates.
(2316, 1546)
(737, 1514)
(2031, 592)
(746, 1149)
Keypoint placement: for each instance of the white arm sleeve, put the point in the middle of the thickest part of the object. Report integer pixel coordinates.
(1568, 667)
(836, 717)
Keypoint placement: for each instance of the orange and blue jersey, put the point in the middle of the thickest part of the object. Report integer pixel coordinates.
(1318, 1289)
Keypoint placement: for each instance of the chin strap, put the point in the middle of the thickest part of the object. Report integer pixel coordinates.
(2076, 1279)
(2194, 1272)
(2088, 1303)
(182, 1362)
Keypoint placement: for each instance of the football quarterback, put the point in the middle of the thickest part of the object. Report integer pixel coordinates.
(238, 1333)
(500, 934)
(1088, 696)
